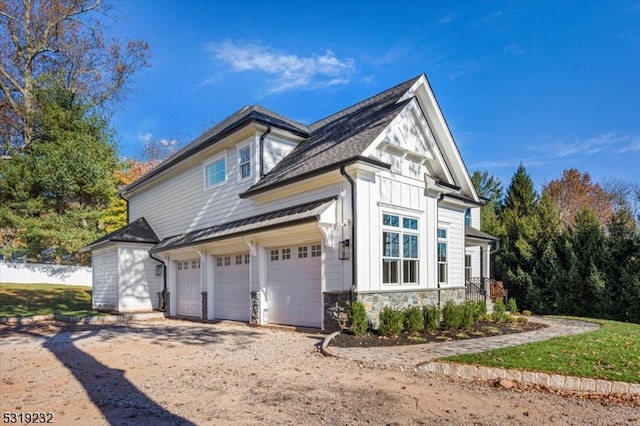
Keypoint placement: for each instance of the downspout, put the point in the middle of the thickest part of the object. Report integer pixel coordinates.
(264, 135)
(163, 308)
(354, 261)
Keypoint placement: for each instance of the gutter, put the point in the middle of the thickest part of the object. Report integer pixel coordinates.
(354, 257)
(126, 202)
(163, 308)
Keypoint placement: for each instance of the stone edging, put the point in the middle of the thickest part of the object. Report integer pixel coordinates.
(551, 381)
(472, 372)
(106, 319)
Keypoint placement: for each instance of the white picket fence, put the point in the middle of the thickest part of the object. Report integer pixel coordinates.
(37, 273)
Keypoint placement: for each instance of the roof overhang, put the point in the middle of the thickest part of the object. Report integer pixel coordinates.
(290, 216)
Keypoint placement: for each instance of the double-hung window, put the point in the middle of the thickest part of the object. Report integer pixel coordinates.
(244, 155)
(216, 172)
(442, 256)
(400, 242)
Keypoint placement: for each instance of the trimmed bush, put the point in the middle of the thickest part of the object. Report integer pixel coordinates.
(499, 311)
(480, 310)
(431, 315)
(358, 318)
(390, 321)
(413, 320)
(527, 313)
(452, 315)
(469, 309)
(512, 306)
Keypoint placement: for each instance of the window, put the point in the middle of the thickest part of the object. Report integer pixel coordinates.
(303, 252)
(286, 253)
(274, 254)
(218, 261)
(399, 249)
(244, 155)
(247, 258)
(195, 264)
(442, 256)
(216, 172)
(185, 265)
(239, 259)
(179, 266)
(316, 250)
(227, 260)
(467, 217)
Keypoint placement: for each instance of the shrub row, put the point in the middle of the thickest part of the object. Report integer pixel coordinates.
(394, 321)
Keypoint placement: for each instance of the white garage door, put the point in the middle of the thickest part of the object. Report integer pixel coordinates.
(232, 293)
(294, 291)
(188, 285)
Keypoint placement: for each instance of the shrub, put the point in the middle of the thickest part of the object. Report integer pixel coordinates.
(512, 306)
(390, 321)
(412, 319)
(523, 320)
(527, 313)
(480, 310)
(452, 315)
(431, 315)
(499, 311)
(358, 318)
(468, 314)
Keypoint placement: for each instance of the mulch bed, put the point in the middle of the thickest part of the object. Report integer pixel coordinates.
(480, 329)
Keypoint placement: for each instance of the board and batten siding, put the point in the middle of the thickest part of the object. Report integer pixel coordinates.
(105, 278)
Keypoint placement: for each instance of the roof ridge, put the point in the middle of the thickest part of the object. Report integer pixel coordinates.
(357, 105)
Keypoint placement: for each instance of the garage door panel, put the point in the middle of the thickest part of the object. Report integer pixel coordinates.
(294, 288)
(189, 288)
(232, 292)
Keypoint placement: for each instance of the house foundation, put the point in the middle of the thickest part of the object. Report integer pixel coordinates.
(336, 311)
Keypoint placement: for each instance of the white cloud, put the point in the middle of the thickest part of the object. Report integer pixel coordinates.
(289, 71)
(611, 141)
(514, 48)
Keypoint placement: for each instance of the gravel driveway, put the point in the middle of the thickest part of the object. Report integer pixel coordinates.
(178, 372)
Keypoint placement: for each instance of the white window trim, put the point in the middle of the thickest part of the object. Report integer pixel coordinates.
(251, 161)
(222, 156)
(402, 231)
(438, 241)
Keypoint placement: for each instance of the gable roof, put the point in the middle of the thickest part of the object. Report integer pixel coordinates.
(138, 231)
(338, 139)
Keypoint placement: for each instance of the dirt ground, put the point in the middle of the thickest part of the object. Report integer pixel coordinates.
(177, 372)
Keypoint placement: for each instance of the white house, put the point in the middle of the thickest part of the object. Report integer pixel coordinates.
(266, 220)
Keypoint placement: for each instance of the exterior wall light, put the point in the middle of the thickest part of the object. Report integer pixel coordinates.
(344, 250)
(159, 270)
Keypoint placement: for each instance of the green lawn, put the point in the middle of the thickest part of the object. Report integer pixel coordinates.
(610, 353)
(45, 299)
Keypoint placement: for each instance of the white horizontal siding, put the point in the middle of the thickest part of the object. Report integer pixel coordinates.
(105, 278)
(139, 284)
(453, 221)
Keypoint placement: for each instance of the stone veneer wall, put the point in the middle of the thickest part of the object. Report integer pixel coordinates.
(255, 308)
(375, 302)
(336, 309)
(204, 305)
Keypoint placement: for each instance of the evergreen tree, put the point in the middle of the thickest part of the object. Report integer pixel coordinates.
(489, 187)
(51, 194)
(515, 260)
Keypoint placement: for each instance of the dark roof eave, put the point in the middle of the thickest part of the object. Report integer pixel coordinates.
(316, 172)
(465, 199)
(232, 128)
(300, 221)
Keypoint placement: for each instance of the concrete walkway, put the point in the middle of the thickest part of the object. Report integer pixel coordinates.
(414, 355)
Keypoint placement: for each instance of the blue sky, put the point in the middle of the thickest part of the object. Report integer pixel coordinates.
(553, 85)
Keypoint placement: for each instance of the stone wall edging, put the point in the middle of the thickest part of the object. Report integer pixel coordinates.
(552, 381)
(110, 319)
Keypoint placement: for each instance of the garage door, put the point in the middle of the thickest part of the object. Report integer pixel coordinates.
(188, 285)
(294, 291)
(232, 293)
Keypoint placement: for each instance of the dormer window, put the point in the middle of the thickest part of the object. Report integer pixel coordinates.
(244, 155)
(216, 172)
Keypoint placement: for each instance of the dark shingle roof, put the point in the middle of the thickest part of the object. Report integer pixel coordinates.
(338, 138)
(240, 118)
(138, 231)
(288, 216)
(470, 231)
